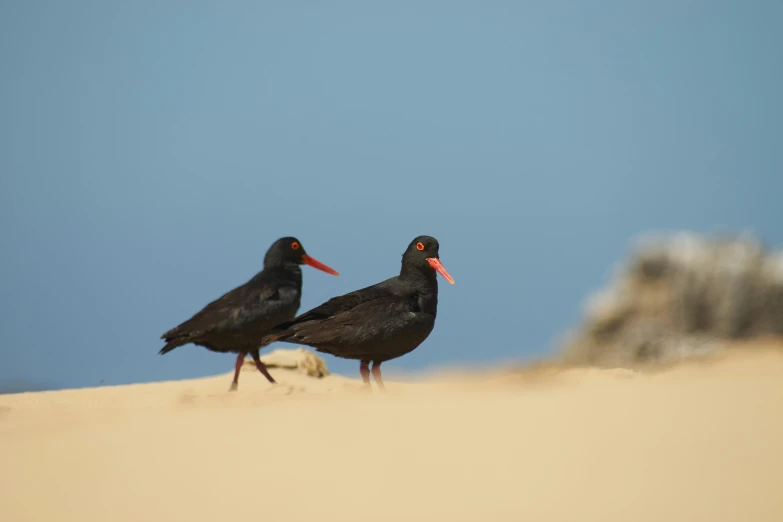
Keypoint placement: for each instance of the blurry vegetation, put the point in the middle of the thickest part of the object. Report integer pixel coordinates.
(681, 296)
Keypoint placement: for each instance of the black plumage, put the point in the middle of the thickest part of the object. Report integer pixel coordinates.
(238, 321)
(377, 323)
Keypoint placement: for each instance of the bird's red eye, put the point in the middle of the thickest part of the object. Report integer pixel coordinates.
(295, 246)
(419, 246)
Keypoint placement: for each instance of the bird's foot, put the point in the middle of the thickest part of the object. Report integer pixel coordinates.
(262, 368)
(376, 373)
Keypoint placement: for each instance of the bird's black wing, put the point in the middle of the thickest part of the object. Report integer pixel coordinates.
(376, 321)
(334, 306)
(254, 301)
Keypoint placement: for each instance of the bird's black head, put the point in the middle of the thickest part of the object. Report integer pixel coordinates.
(290, 250)
(422, 254)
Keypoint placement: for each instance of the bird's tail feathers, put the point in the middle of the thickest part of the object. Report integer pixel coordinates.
(171, 344)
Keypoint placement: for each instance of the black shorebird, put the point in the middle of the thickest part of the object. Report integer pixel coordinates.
(238, 321)
(377, 323)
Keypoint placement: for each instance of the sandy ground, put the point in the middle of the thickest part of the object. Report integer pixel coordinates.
(699, 442)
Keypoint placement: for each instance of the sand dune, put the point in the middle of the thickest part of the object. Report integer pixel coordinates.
(700, 441)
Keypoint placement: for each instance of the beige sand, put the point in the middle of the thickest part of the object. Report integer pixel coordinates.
(699, 442)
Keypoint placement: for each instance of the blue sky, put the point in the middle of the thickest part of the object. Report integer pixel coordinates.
(150, 152)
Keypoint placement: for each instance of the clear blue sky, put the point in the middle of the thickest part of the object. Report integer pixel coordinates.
(151, 151)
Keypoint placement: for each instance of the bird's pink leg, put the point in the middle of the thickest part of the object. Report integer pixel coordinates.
(376, 372)
(261, 367)
(237, 369)
(364, 369)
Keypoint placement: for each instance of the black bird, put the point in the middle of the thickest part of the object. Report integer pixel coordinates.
(238, 321)
(377, 323)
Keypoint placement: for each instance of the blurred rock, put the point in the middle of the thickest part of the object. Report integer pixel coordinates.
(300, 359)
(681, 296)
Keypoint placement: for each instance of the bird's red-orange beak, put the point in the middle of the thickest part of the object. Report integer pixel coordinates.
(317, 264)
(435, 263)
